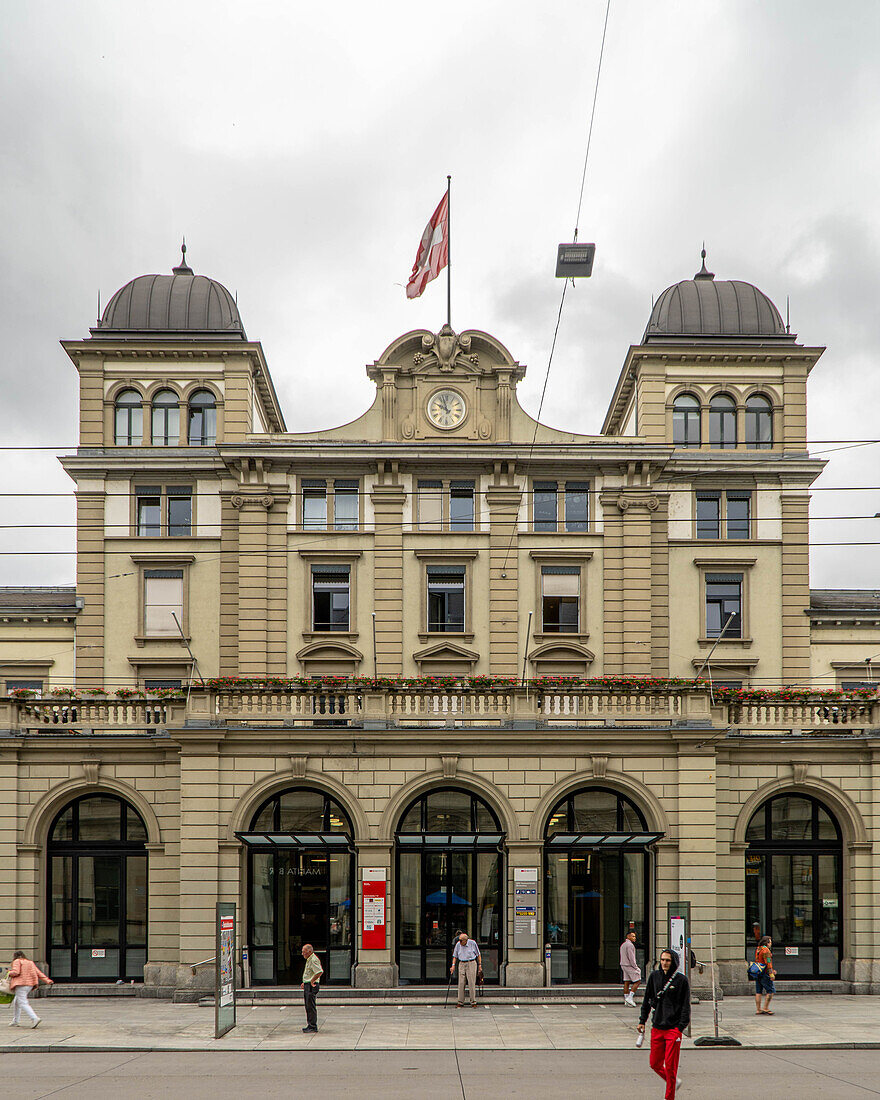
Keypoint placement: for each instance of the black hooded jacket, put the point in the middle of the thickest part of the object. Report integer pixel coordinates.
(672, 1008)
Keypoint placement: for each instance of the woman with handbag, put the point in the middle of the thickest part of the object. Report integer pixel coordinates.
(24, 976)
(764, 974)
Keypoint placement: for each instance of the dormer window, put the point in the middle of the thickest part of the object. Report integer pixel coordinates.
(202, 419)
(686, 421)
(129, 422)
(722, 421)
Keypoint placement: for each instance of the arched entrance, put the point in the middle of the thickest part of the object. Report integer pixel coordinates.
(97, 903)
(794, 886)
(450, 875)
(596, 883)
(300, 887)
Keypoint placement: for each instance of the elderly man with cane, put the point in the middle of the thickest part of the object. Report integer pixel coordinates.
(467, 955)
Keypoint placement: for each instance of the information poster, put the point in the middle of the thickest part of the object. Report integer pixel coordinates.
(224, 990)
(525, 907)
(374, 898)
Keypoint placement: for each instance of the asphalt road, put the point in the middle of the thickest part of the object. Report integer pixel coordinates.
(439, 1075)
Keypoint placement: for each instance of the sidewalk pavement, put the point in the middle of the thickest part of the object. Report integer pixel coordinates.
(142, 1024)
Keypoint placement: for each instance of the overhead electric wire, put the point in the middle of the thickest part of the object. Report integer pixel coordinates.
(274, 443)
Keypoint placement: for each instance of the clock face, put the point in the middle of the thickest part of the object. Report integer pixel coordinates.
(446, 409)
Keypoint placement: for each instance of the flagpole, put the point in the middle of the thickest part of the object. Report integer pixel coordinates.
(448, 252)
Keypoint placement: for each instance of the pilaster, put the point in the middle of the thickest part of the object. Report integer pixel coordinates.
(388, 498)
(503, 500)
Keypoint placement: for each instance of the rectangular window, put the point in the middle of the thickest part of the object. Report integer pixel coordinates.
(739, 509)
(331, 597)
(163, 510)
(24, 685)
(544, 506)
(724, 605)
(345, 504)
(708, 515)
(577, 505)
(724, 515)
(560, 597)
(314, 504)
(162, 685)
(430, 505)
(163, 599)
(461, 505)
(446, 599)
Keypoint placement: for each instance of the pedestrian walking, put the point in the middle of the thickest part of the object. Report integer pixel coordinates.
(311, 978)
(24, 975)
(467, 955)
(632, 974)
(765, 984)
(668, 993)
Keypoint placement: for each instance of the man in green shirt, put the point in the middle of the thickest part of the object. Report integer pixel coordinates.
(311, 976)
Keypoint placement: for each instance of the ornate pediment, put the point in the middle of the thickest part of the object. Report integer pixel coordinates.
(447, 651)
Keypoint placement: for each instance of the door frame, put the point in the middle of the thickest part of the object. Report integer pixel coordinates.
(75, 849)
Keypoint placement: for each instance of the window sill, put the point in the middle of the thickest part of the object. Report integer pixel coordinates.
(561, 635)
(144, 639)
(320, 635)
(441, 634)
(704, 643)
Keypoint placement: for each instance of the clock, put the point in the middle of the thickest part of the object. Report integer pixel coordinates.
(446, 409)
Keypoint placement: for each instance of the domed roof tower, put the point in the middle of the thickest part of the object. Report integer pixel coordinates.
(705, 308)
(174, 306)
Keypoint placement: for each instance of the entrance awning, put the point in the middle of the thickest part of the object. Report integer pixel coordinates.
(334, 842)
(603, 840)
(473, 841)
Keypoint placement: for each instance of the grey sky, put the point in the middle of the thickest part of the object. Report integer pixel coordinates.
(302, 147)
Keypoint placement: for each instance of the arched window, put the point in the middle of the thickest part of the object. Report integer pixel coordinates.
(449, 873)
(129, 424)
(596, 883)
(166, 419)
(793, 886)
(202, 419)
(301, 874)
(759, 422)
(97, 891)
(722, 421)
(686, 421)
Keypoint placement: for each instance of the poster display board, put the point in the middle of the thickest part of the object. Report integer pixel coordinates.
(373, 908)
(525, 907)
(224, 986)
(679, 923)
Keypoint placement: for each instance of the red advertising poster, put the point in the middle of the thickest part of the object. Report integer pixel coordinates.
(373, 908)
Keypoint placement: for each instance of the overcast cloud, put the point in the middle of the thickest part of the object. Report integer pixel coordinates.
(302, 147)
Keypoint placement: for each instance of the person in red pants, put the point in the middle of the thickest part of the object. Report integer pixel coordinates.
(668, 993)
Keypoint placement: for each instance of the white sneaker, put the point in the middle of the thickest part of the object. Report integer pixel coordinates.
(13, 1023)
(36, 1022)
(677, 1083)
(629, 1000)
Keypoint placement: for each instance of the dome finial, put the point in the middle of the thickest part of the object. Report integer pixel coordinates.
(183, 267)
(704, 273)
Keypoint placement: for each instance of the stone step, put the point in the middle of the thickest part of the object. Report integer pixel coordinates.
(93, 989)
(426, 995)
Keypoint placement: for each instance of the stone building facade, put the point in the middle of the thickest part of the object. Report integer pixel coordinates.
(445, 651)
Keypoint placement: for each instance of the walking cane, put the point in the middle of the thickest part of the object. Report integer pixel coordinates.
(449, 986)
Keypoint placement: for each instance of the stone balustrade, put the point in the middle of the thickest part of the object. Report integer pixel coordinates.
(517, 707)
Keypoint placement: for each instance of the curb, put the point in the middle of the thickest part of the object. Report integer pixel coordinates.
(84, 1049)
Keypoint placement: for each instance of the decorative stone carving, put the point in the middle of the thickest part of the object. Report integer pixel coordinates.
(475, 359)
(649, 502)
(449, 765)
(799, 770)
(91, 768)
(485, 429)
(418, 359)
(600, 766)
(298, 764)
(407, 428)
(446, 345)
(240, 502)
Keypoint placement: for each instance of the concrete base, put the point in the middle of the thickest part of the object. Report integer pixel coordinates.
(525, 975)
(375, 975)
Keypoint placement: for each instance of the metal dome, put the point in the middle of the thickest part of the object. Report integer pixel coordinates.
(706, 308)
(180, 304)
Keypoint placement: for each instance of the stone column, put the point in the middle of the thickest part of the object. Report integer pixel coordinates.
(628, 582)
(375, 969)
(199, 853)
(525, 966)
(388, 499)
(90, 586)
(795, 587)
(254, 639)
(503, 501)
(8, 849)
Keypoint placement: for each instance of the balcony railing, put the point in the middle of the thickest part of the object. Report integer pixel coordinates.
(412, 704)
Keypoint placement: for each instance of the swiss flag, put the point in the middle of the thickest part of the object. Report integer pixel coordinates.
(433, 254)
